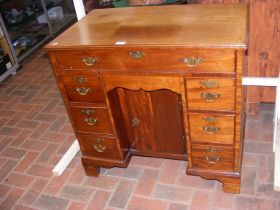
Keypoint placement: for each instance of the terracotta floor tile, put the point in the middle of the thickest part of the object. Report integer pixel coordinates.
(122, 194)
(138, 203)
(99, 200)
(50, 202)
(78, 193)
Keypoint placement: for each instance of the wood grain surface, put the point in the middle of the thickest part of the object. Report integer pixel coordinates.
(217, 27)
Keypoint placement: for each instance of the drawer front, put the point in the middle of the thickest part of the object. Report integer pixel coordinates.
(212, 157)
(99, 146)
(83, 89)
(91, 119)
(211, 94)
(211, 128)
(147, 59)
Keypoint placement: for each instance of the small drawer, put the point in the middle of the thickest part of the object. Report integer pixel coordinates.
(211, 128)
(212, 157)
(211, 94)
(180, 59)
(91, 119)
(80, 88)
(99, 146)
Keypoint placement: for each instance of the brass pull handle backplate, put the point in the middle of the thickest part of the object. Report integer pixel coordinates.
(192, 61)
(135, 122)
(210, 96)
(212, 149)
(80, 80)
(89, 61)
(99, 147)
(88, 111)
(91, 120)
(209, 83)
(82, 91)
(212, 159)
(136, 54)
(210, 129)
(210, 119)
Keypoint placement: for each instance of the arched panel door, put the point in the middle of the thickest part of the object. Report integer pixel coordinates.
(151, 121)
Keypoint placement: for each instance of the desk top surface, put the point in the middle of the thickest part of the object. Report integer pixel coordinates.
(196, 25)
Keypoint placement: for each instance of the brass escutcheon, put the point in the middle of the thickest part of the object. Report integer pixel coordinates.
(211, 149)
(83, 90)
(99, 140)
(210, 129)
(212, 159)
(99, 147)
(192, 61)
(136, 54)
(80, 80)
(88, 111)
(91, 120)
(210, 96)
(89, 61)
(135, 122)
(210, 119)
(209, 83)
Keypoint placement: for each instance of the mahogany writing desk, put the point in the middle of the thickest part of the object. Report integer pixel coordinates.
(161, 81)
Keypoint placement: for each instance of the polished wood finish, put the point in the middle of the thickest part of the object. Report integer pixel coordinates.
(91, 119)
(157, 81)
(100, 146)
(225, 89)
(121, 59)
(201, 124)
(154, 121)
(88, 91)
(214, 157)
(216, 27)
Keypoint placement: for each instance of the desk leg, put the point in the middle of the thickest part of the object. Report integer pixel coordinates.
(90, 169)
(231, 184)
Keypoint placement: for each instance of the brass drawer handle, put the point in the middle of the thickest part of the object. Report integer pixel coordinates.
(136, 54)
(192, 62)
(210, 96)
(209, 83)
(88, 111)
(82, 91)
(99, 147)
(210, 129)
(212, 149)
(212, 159)
(89, 61)
(91, 120)
(135, 122)
(210, 119)
(80, 80)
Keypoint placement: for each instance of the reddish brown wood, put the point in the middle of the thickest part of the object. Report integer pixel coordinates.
(160, 128)
(153, 59)
(146, 98)
(89, 90)
(225, 89)
(212, 156)
(91, 119)
(100, 146)
(223, 123)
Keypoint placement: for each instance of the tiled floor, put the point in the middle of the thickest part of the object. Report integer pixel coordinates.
(35, 133)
